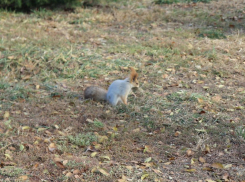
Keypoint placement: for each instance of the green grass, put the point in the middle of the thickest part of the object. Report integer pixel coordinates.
(212, 34)
(82, 139)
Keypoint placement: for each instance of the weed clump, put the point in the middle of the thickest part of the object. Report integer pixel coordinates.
(82, 139)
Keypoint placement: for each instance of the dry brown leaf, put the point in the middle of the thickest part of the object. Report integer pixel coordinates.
(60, 165)
(190, 170)
(164, 76)
(207, 169)
(157, 171)
(25, 128)
(147, 149)
(207, 149)
(167, 163)
(136, 130)
(200, 101)
(225, 177)
(129, 167)
(201, 159)
(23, 178)
(93, 154)
(65, 162)
(6, 115)
(148, 164)
(189, 152)
(193, 160)
(102, 139)
(209, 180)
(35, 166)
(11, 57)
(228, 166)
(69, 174)
(52, 147)
(216, 98)
(147, 159)
(218, 165)
(104, 158)
(124, 179)
(102, 171)
(76, 171)
(76, 176)
(177, 133)
(144, 176)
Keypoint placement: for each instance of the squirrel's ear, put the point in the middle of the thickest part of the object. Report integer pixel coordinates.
(133, 75)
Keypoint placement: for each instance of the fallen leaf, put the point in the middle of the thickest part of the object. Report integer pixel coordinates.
(207, 169)
(69, 174)
(144, 176)
(157, 171)
(22, 147)
(93, 154)
(207, 149)
(11, 57)
(8, 156)
(147, 149)
(76, 176)
(105, 157)
(209, 180)
(102, 171)
(124, 179)
(25, 128)
(35, 166)
(102, 139)
(216, 98)
(148, 164)
(60, 165)
(136, 130)
(23, 178)
(228, 166)
(189, 152)
(226, 177)
(52, 147)
(218, 165)
(76, 171)
(65, 162)
(201, 159)
(6, 115)
(147, 159)
(41, 129)
(129, 167)
(193, 161)
(200, 101)
(177, 133)
(190, 170)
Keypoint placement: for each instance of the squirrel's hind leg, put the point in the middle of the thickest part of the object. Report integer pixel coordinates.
(124, 99)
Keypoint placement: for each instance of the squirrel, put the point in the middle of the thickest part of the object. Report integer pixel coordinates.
(118, 91)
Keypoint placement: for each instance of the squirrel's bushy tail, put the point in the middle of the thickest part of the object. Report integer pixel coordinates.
(96, 93)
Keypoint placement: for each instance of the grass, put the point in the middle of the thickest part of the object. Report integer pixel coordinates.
(82, 139)
(189, 57)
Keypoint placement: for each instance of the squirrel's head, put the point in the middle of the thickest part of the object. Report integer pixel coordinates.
(133, 77)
